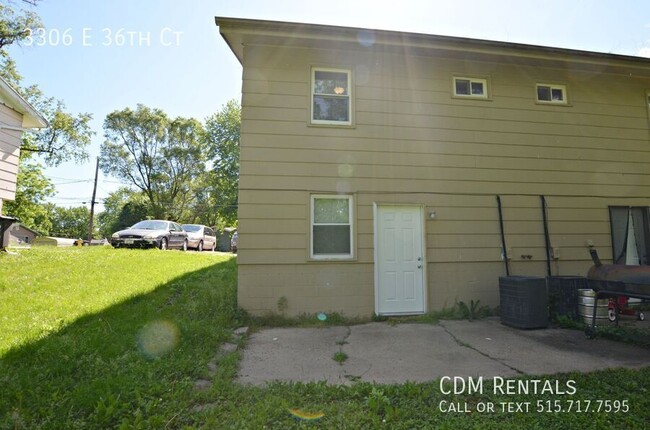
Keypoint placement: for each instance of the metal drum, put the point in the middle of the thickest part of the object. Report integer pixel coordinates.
(586, 298)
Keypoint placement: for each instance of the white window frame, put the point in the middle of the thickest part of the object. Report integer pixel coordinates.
(565, 97)
(483, 81)
(351, 219)
(348, 72)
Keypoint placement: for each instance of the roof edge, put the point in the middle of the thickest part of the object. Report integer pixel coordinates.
(319, 31)
(31, 117)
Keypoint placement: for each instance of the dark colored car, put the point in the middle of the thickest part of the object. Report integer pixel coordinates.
(151, 233)
(200, 237)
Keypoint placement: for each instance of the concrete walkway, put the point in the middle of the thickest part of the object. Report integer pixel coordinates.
(386, 353)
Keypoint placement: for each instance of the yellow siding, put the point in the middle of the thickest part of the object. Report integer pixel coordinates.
(411, 142)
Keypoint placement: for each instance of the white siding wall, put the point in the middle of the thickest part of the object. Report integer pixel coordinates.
(9, 152)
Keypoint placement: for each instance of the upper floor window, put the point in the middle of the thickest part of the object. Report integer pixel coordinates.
(331, 101)
(547, 93)
(470, 87)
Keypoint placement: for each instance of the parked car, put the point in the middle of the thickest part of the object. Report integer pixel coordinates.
(233, 242)
(200, 237)
(151, 233)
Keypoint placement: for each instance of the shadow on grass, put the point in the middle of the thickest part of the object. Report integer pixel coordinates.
(133, 364)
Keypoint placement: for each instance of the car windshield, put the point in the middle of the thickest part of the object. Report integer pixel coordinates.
(191, 228)
(151, 225)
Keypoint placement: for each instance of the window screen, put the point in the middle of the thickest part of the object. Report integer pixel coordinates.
(331, 227)
(331, 96)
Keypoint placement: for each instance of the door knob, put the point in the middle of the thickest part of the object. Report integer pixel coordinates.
(419, 266)
(419, 258)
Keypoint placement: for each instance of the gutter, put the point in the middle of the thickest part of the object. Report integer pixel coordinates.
(235, 30)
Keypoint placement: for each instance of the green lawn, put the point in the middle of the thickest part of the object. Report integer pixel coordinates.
(103, 338)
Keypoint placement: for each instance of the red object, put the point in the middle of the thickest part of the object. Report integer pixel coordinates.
(618, 306)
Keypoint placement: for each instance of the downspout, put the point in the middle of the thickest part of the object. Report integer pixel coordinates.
(547, 239)
(503, 237)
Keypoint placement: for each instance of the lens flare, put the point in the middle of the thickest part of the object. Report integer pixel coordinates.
(158, 338)
(322, 316)
(362, 75)
(346, 170)
(306, 416)
(343, 186)
(366, 38)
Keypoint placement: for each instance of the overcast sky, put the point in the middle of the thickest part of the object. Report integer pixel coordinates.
(168, 54)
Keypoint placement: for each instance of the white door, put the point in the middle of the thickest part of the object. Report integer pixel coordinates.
(399, 260)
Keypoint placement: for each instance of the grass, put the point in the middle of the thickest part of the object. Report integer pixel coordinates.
(340, 357)
(620, 333)
(97, 338)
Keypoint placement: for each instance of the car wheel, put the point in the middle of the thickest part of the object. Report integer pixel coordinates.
(185, 245)
(163, 243)
(200, 247)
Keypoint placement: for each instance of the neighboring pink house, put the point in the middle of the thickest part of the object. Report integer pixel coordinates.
(16, 116)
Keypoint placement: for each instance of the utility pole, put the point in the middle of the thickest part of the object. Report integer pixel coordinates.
(92, 205)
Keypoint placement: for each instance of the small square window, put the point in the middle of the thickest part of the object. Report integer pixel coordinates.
(547, 93)
(470, 87)
(331, 227)
(330, 96)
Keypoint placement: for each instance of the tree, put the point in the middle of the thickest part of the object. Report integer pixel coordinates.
(66, 138)
(159, 156)
(68, 135)
(16, 23)
(69, 222)
(223, 131)
(31, 189)
(122, 209)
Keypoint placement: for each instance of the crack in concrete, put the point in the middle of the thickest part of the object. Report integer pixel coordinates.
(467, 345)
(344, 341)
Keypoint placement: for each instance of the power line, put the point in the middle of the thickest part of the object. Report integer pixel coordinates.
(64, 198)
(77, 180)
(72, 182)
(63, 179)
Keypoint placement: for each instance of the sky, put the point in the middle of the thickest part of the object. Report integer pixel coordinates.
(99, 56)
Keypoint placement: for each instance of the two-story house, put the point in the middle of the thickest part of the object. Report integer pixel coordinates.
(395, 173)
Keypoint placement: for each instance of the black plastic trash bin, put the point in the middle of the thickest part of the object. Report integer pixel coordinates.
(524, 302)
